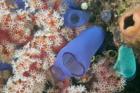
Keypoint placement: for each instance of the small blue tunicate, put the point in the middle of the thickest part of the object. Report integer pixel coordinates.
(71, 3)
(20, 4)
(75, 18)
(106, 15)
(4, 66)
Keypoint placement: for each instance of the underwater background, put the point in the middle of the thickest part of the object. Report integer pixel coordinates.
(69, 46)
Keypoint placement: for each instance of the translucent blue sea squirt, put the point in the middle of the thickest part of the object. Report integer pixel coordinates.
(75, 58)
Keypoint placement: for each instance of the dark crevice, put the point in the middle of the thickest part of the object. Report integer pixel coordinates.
(75, 18)
(128, 21)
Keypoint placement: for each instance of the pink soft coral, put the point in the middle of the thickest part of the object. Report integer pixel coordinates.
(106, 79)
(32, 61)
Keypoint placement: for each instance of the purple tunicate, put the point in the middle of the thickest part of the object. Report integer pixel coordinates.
(75, 58)
(75, 18)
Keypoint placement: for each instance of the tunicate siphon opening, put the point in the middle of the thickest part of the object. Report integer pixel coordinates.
(71, 63)
(128, 21)
(75, 18)
(112, 53)
(57, 73)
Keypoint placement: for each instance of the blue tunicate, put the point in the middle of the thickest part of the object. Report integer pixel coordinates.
(75, 58)
(4, 66)
(106, 15)
(57, 73)
(75, 18)
(71, 3)
(20, 4)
